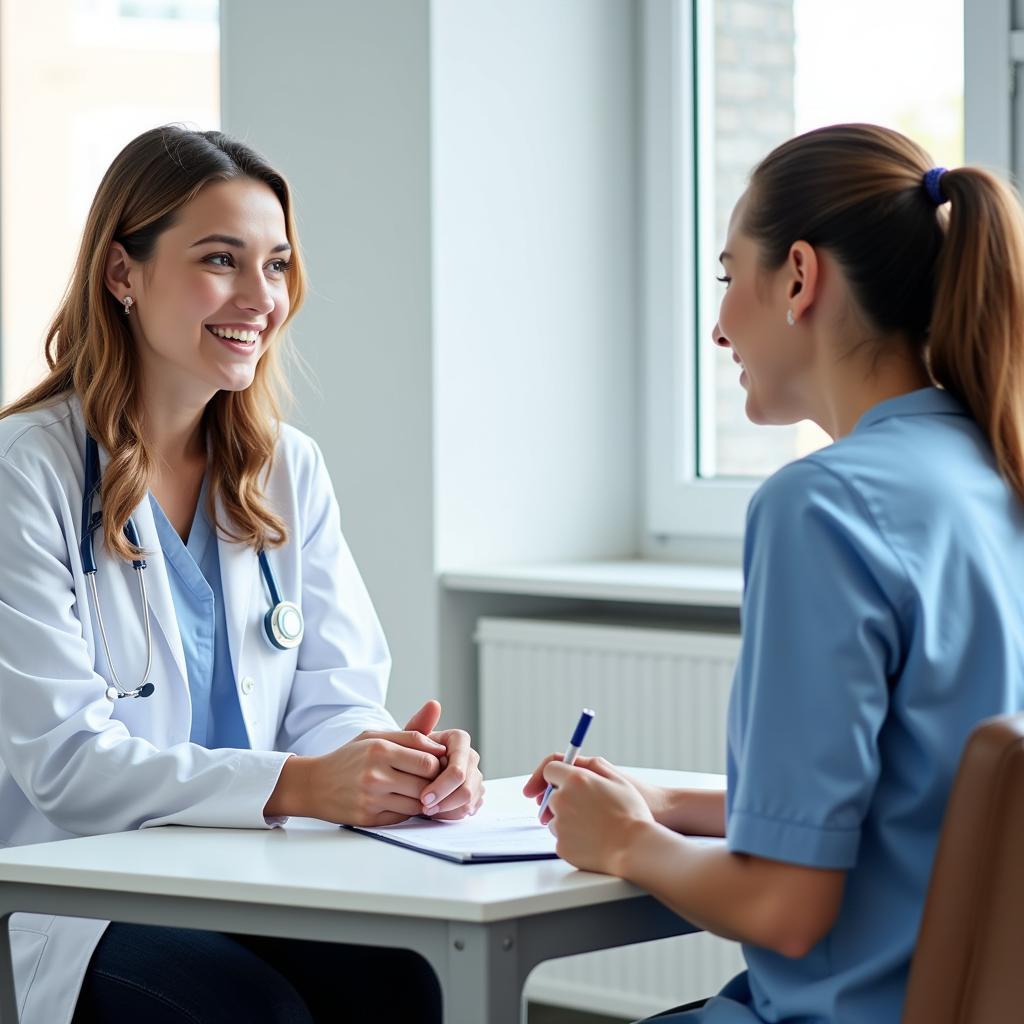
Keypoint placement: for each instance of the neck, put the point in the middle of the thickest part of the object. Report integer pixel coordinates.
(849, 388)
(173, 429)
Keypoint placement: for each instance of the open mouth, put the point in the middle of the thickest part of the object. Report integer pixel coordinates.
(240, 340)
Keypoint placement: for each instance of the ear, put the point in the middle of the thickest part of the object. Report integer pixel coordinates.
(803, 269)
(118, 272)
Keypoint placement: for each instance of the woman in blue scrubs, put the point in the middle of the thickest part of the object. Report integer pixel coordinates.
(883, 616)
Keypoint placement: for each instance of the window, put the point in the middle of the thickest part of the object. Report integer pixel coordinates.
(726, 81)
(78, 80)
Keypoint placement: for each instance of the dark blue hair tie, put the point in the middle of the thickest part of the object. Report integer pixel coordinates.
(931, 185)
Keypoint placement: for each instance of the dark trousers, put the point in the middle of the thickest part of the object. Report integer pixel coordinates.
(183, 976)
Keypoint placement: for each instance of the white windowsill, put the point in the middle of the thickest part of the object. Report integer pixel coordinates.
(642, 581)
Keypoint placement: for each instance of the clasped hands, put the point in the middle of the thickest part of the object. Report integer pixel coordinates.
(382, 778)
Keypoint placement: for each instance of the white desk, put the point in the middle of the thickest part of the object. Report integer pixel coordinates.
(482, 927)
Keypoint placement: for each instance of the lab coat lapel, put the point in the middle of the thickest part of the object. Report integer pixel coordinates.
(239, 568)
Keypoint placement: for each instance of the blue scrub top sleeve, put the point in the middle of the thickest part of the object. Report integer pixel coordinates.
(821, 640)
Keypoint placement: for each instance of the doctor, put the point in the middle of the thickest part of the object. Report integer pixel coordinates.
(184, 637)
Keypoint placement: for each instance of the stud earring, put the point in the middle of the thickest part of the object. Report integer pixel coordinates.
(790, 319)
(128, 303)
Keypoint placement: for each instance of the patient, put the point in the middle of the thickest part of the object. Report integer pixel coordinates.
(882, 298)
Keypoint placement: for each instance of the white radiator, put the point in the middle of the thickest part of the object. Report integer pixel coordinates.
(660, 696)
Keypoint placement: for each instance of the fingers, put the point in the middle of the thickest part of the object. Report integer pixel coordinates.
(552, 770)
(378, 808)
(393, 781)
(387, 818)
(426, 719)
(409, 759)
(535, 784)
(392, 815)
(458, 789)
(599, 766)
(393, 803)
(557, 773)
(464, 810)
(410, 738)
(462, 762)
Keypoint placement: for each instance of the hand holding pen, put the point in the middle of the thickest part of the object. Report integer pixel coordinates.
(586, 717)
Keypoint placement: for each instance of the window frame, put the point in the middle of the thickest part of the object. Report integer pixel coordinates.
(686, 515)
(676, 114)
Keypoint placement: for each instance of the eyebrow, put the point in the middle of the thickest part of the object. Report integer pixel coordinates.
(237, 243)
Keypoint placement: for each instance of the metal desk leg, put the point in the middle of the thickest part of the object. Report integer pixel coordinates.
(8, 998)
(485, 979)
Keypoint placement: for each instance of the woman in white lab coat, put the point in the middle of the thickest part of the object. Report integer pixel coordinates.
(246, 681)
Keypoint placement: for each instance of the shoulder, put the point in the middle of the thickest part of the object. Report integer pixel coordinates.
(891, 472)
(299, 474)
(809, 503)
(913, 457)
(809, 487)
(812, 518)
(44, 443)
(24, 430)
(296, 449)
(299, 486)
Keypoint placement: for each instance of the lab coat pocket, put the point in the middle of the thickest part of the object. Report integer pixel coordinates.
(26, 951)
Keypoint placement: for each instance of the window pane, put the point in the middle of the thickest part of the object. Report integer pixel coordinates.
(78, 80)
(782, 67)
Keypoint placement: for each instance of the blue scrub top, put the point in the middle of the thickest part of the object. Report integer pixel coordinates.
(883, 617)
(193, 571)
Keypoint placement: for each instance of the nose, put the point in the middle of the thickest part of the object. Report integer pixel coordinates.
(719, 338)
(254, 293)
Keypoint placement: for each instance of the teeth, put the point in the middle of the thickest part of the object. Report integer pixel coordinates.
(232, 335)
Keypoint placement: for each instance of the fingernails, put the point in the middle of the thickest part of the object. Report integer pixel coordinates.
(429, 798)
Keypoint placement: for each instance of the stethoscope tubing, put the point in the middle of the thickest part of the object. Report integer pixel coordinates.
(118, 687)
(283, 623)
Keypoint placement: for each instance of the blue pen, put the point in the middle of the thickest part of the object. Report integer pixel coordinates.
(586, 717)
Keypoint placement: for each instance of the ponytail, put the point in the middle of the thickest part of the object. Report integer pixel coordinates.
(976, 341)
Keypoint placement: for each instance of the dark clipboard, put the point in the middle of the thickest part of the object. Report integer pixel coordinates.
(454, 858)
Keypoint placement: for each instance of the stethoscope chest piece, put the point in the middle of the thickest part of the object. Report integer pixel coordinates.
(283, 626)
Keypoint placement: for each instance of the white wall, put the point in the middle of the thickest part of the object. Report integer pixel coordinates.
(337, 95)
(534, 279)
(464, 176)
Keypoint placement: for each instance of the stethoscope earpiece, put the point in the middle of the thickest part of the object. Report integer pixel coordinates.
(114, 693)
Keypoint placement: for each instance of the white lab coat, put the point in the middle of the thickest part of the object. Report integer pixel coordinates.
(71, 762)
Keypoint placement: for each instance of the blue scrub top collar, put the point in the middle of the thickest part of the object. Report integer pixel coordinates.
(928, 401)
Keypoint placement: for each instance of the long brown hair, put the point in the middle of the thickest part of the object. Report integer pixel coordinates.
(949, 277)
(91, 353)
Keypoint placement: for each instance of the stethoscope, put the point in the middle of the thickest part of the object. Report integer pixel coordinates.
(282, 625)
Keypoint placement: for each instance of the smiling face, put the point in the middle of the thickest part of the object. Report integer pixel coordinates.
(211, 299)
(775, 357)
